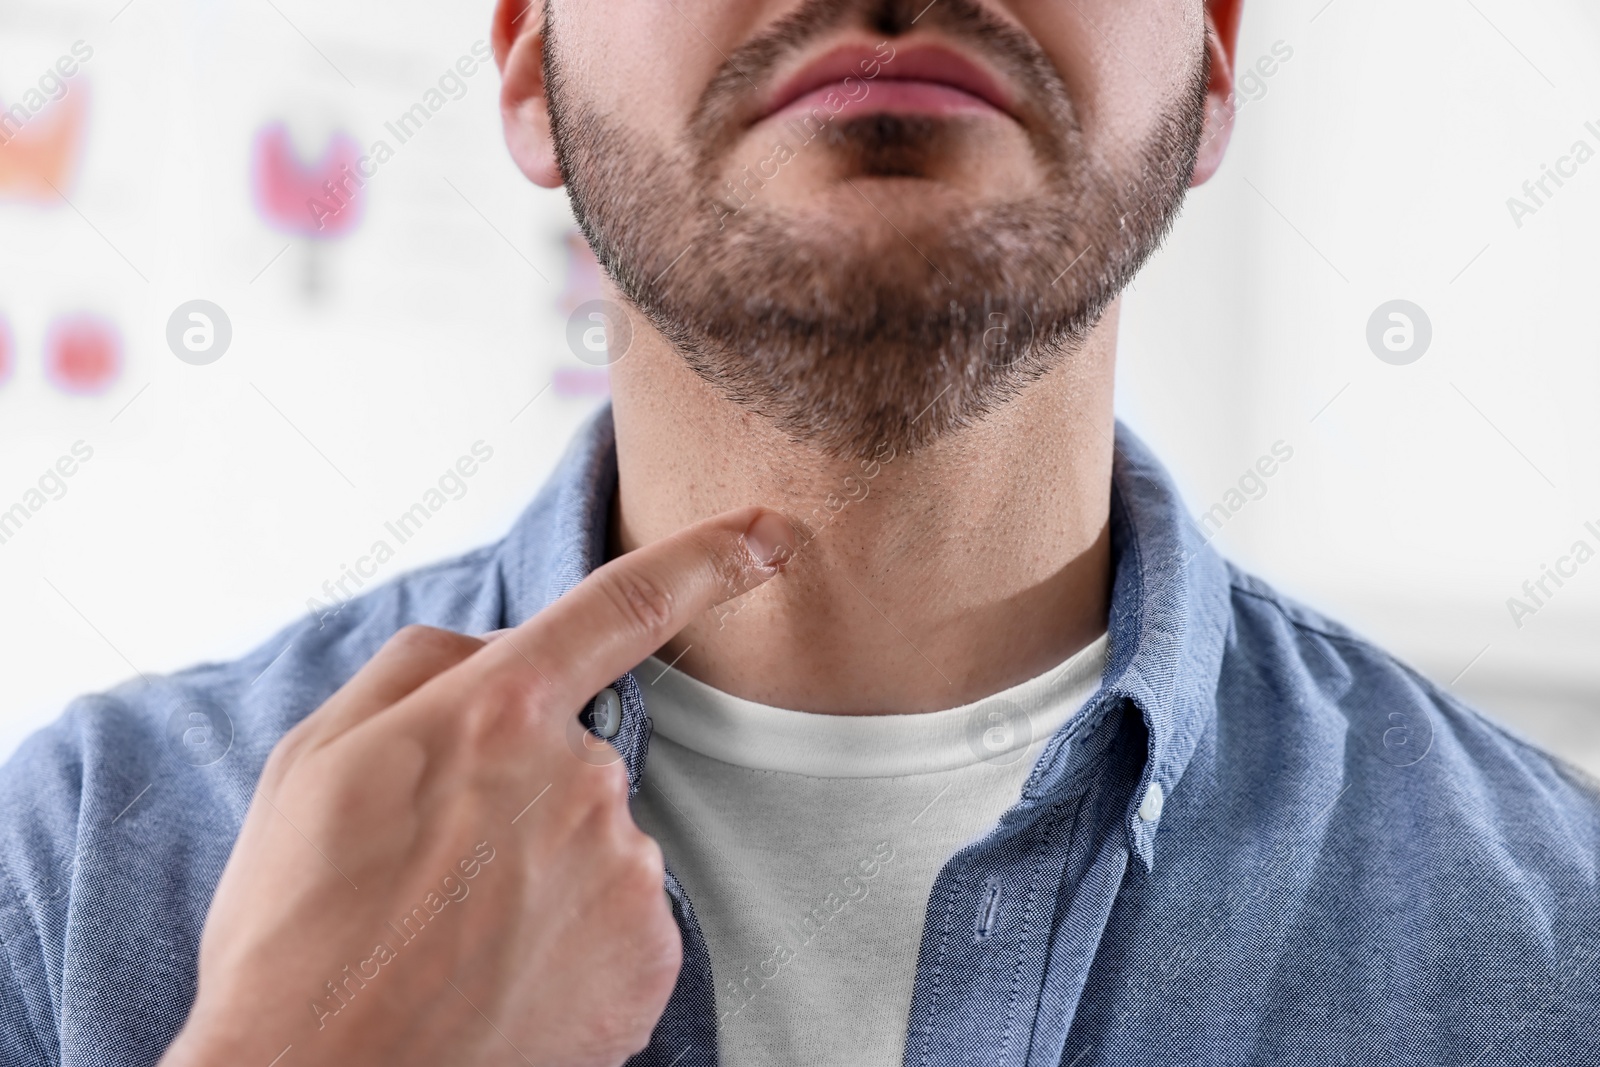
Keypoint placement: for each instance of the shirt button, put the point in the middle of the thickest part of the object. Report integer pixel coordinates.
(607, 713)
(1154, 798)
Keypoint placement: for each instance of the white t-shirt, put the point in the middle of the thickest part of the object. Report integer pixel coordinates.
(809, 845)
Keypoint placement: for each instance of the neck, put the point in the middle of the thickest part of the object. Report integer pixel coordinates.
(923, 581)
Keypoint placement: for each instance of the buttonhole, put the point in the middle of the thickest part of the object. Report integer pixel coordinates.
(989, 909)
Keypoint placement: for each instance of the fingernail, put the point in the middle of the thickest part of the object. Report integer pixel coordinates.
(770, 539)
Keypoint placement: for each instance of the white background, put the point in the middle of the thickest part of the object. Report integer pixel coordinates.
(1373, 164)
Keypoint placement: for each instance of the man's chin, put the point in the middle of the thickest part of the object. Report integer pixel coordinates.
(861, 218)
(845, 190)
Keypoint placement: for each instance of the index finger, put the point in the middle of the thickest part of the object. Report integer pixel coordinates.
(622, 612)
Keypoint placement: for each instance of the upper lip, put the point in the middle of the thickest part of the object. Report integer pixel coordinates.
(920, 62)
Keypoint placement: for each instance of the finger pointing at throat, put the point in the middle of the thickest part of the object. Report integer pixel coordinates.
(622, 612)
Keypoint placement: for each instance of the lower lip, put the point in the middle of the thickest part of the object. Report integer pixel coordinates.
(887, 95)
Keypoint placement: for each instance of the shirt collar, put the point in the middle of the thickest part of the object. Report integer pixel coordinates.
(1168, 627)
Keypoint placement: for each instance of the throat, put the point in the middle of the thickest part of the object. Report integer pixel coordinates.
(922, 580)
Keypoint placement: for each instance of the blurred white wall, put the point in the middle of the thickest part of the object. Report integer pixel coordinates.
(1373, 161)
(1376, 164)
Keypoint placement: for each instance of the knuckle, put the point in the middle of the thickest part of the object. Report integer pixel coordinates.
(283, 754)
(729, 569)
(478, 724)
(605, 785)
(499, 705)
(643, 602)
(300, 743)
(294, 739)
(506, 690)
(660, 952)
(635, 874)
(592, 799)
(646, 864)
(664, 952)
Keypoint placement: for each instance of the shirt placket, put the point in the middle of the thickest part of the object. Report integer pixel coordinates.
(1014, 920)
(686, 1035)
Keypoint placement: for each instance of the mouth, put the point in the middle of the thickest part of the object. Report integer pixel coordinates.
(855, 80)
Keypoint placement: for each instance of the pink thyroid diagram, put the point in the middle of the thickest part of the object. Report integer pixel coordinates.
(320, 199)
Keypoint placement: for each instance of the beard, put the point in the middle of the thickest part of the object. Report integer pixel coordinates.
(849, 338)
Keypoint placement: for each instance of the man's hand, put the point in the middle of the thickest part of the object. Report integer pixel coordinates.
(431, 873)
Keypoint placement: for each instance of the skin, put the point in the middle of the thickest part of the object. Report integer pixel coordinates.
(924, 592)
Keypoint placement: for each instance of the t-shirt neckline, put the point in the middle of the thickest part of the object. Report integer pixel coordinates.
(999, 728)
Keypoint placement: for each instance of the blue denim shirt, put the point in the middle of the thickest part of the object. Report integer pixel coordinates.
(1262, 841)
